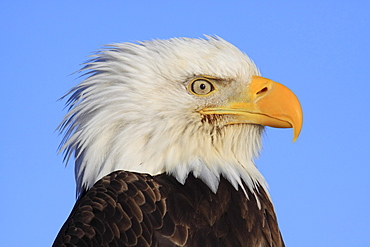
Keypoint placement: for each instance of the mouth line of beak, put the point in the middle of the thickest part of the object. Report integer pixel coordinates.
(246, 116)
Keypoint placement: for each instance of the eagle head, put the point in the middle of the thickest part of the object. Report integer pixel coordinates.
(174, 106)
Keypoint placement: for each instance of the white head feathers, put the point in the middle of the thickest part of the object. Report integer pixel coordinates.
(134, 113)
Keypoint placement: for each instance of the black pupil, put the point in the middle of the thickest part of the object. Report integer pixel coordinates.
(202, 86)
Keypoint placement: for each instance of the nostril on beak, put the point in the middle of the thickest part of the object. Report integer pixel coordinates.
(263, 90)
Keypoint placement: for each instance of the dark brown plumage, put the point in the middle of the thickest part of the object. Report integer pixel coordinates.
(133, 209)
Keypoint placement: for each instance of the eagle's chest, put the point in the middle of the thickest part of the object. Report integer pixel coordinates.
(134, 209)
(198, 217)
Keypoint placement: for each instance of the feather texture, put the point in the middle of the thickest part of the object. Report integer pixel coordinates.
(133, 209)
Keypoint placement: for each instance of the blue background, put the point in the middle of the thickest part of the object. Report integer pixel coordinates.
(319, 49)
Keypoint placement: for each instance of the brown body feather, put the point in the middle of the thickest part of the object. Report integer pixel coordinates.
(133, 209)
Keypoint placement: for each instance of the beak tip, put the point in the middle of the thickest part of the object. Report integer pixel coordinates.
(296, 134)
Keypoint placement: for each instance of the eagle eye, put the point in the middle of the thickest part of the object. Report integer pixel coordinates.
(201, 87)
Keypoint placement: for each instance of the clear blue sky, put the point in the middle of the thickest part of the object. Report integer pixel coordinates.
(320, 185)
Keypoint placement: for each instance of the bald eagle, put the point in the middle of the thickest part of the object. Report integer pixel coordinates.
(164, 134)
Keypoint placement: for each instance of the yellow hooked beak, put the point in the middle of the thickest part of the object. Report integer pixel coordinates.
(266, 103)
